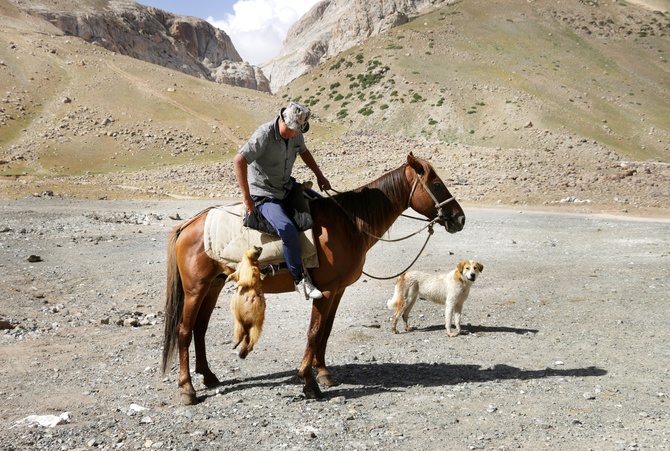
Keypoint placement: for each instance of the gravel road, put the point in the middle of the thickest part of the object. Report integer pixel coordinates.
(565, 346)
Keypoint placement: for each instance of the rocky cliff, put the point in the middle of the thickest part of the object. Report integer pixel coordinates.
(332, 26)
(182, 43)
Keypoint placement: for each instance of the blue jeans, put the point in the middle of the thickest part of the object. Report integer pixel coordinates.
(276, 213)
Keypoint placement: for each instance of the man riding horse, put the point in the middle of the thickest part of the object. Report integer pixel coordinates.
(263, 169)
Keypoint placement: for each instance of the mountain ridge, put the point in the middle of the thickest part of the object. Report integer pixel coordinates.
(182, 43)
(534, 105)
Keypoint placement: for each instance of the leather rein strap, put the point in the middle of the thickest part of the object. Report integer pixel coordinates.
(438, 205)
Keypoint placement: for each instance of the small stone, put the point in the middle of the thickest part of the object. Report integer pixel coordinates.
(131, 322)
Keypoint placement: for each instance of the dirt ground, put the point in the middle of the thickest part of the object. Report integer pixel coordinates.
(565, 345)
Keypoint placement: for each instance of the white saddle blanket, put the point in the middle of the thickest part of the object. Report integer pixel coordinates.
(226, 239)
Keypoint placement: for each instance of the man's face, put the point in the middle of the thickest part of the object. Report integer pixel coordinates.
(284, 131)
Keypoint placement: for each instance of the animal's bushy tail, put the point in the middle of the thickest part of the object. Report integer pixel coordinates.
(174, 302)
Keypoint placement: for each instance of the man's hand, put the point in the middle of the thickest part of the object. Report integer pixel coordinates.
(249, 203)
(323, 183)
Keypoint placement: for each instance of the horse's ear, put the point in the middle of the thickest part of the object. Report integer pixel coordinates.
(414, 163)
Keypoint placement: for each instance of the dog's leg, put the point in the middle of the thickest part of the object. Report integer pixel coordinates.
(457, 319)
(394, 322)
(448, 316)
(412, 294)
(397, 301)
(457, 316)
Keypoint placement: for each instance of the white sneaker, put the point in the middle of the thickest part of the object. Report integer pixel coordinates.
(307, 289)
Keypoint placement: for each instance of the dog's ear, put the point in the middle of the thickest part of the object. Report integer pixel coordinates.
(479, 266)
(461, 265)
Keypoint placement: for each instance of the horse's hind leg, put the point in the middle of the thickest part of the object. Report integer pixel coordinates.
(201, 323)
(199, 303)
(184, 336)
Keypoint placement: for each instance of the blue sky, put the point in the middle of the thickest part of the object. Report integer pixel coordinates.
(256, 27)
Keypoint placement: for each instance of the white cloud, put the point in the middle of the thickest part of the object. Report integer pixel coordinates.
(258, 27)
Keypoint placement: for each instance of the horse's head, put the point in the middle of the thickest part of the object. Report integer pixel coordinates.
(430, 196)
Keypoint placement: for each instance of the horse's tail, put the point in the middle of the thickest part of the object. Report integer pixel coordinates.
(174, 302)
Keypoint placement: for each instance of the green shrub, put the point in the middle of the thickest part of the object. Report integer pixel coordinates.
(416, 97)
(337, 65)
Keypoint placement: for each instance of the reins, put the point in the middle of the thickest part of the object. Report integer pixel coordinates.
(428, 226)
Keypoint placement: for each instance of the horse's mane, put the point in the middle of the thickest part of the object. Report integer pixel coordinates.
(370, 205)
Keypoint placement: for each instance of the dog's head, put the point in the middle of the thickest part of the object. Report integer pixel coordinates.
(470, 269)
(253, 253)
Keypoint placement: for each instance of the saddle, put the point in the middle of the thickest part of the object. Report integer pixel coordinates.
(298, 200)
(226, 238)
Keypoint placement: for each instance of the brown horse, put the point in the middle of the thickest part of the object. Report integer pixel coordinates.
(346, 226)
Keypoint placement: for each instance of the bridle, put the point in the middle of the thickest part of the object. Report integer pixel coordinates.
(440, 215)
(438, 205)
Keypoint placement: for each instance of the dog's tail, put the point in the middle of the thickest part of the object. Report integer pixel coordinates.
(396, 300)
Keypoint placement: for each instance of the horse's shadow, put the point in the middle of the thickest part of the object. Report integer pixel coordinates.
(364, 379)
(472, 329)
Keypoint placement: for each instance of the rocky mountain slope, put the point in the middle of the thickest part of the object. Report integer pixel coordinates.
(528, 108)
(528, 75)
(181, 43)
(333, 26)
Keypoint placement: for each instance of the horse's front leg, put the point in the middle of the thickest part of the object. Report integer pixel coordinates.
(323, 376)
(316, 327)
(200, 329)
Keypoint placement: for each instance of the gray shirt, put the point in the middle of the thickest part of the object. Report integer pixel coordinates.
(270, 159)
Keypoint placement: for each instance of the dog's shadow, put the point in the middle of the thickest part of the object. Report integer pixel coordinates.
(471, 329)
(358, 380)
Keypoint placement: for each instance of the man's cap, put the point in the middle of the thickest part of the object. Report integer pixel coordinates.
(296, 117)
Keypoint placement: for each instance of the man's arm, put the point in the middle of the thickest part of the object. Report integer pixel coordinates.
(240, 164)
(321, 180)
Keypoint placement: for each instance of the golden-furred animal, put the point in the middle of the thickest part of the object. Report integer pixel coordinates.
(248, 302)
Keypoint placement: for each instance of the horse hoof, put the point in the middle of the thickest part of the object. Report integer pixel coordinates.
(189, 399)
(312, 392)
(326, 381)
(210, 381)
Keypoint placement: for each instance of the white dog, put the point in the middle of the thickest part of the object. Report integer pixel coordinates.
(451, 289)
